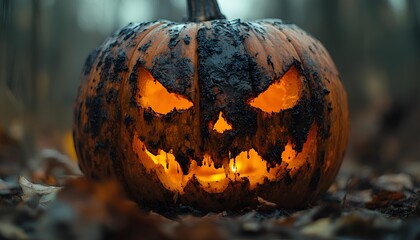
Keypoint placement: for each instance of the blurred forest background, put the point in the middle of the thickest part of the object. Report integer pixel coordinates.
(375, 45)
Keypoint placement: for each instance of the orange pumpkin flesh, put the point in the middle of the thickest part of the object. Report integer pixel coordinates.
(212, 115)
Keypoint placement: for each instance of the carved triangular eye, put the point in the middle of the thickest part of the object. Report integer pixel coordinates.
(283, 94)
(154, 95)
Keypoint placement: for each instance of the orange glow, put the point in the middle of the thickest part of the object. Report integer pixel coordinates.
(282, 94)
(294, 160)
(221, 124)
(154, 95)
(68, 145)
(248, 164)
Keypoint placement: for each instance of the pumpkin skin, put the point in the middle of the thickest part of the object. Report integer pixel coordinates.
(218, 69)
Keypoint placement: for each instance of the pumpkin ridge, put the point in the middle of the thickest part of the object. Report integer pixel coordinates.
(301, 67)
(317, 92)
(196, 95)
(279, 30)
(275, 151)
(133, 66)
(118, 164)
(317, 83)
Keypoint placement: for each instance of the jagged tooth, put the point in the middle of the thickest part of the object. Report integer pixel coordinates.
(167, 161)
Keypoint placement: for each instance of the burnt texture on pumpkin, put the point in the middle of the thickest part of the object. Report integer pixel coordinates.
(219, 66)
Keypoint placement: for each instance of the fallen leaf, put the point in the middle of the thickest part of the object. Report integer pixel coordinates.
(393, 182)
(54, 168)
(383, 198)
(44, 194)
(322, 228)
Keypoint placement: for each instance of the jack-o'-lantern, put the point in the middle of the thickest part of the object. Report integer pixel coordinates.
(212, 113)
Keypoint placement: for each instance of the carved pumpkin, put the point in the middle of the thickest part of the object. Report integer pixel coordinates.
(212, 114)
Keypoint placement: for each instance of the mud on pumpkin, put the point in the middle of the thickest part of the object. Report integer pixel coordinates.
(212, 114)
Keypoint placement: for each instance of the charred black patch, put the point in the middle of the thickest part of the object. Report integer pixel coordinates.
(187, 39)
(95, 113)
(106, 52)
(153, 145)
(145, 46)
(269, 62)
(116, 164)
(330, 108)
(190, 152)
(184, 162)
(174, 37)
(142, 138)
(287, 177)
(127, 32)
(99, 86)
(259, 29)
(128, 120)
(90, 61)
(319, 104)
(120, 65)
(133, 81)
(112, 96)
(148, 115)
(225, 66)
(273, 155)
(106, 69)
(316, 177)
(174, 72)
(302, 117)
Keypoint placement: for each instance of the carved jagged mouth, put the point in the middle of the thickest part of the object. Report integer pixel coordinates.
(247, 165)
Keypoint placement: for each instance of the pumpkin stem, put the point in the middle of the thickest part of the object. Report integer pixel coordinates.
(203, 10)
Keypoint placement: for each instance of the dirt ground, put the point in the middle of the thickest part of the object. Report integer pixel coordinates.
(52, 200)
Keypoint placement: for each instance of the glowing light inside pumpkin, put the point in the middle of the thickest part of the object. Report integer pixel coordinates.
(282, 94)
(154, 95)
(221, 124)
(247, 164)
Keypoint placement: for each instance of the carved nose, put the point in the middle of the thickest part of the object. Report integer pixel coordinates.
(221, 124)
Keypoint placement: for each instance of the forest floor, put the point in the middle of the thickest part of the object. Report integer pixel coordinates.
(54, 201)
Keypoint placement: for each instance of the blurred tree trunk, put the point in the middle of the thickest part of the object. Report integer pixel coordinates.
(414, 18)
(5, 9)
(6, 63)
(32, 87)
